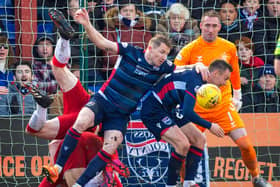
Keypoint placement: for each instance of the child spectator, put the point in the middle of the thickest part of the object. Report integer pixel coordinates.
(266, 96)
(249, 12)
(180, 27)
(43, 50)
(248, 64)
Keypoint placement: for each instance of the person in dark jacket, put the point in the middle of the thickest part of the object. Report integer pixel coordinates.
(20, 100)
(232, 28)
(266, 97)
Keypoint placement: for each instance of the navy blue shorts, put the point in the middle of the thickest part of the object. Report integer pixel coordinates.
(155, 117)
(107, 114)
(179, 118)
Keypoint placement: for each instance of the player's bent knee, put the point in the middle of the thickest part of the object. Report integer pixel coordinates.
(182, 147)
(112, 141)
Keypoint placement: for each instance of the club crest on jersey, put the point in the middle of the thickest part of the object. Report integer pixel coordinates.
(141, 71)
(147, 158)
(124, 44)
(166, 120)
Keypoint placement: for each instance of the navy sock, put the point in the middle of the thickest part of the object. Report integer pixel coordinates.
(97, 164)
(192, 161)
(69, 144)
(174, 166)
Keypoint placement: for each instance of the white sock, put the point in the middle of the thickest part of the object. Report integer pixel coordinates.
(62, 50)
(170, 185)
(38, 118)
(188, 183)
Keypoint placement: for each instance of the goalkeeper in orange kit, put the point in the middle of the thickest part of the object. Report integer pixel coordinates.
(204, 50)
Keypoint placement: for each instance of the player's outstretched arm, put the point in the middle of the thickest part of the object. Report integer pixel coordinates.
(82, 17)
(217, 130)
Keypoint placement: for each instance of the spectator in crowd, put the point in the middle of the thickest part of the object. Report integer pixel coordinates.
(153, 10)
(248, 64)
(270, 21)
(125, 24)
(20, 100)
(94, 54)
(7, 61)
(232, 28)
(266, 96)
(249, 12)
(180, 27)
(99, 9)
(43, 51)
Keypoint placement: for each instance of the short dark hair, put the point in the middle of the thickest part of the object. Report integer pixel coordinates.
(23, 62)
(211, 13)
(159, 39)
(220, 65)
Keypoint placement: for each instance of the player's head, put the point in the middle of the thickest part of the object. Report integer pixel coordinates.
(220, 72)
(22, 72)
(158, 49)
(210, 25)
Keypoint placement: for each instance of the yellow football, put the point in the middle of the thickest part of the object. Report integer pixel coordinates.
(208, 96)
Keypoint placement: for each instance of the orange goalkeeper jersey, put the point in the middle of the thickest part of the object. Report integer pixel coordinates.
(204, 52)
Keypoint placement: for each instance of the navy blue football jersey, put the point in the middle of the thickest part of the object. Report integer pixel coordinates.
(131, 78)
(179, 88)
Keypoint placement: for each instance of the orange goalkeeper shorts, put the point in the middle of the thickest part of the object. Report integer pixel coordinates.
(227, 117)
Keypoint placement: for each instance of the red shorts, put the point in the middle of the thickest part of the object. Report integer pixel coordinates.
(73, 101)
(88, 146)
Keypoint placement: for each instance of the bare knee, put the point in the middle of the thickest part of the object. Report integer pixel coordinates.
(84, 121)
(182, 147)
(112, 140)
(199, 141)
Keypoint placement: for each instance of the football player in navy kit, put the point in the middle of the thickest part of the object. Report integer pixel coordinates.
(179, 88)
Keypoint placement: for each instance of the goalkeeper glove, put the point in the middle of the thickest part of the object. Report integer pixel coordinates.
(237, 96)
(277, 49)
